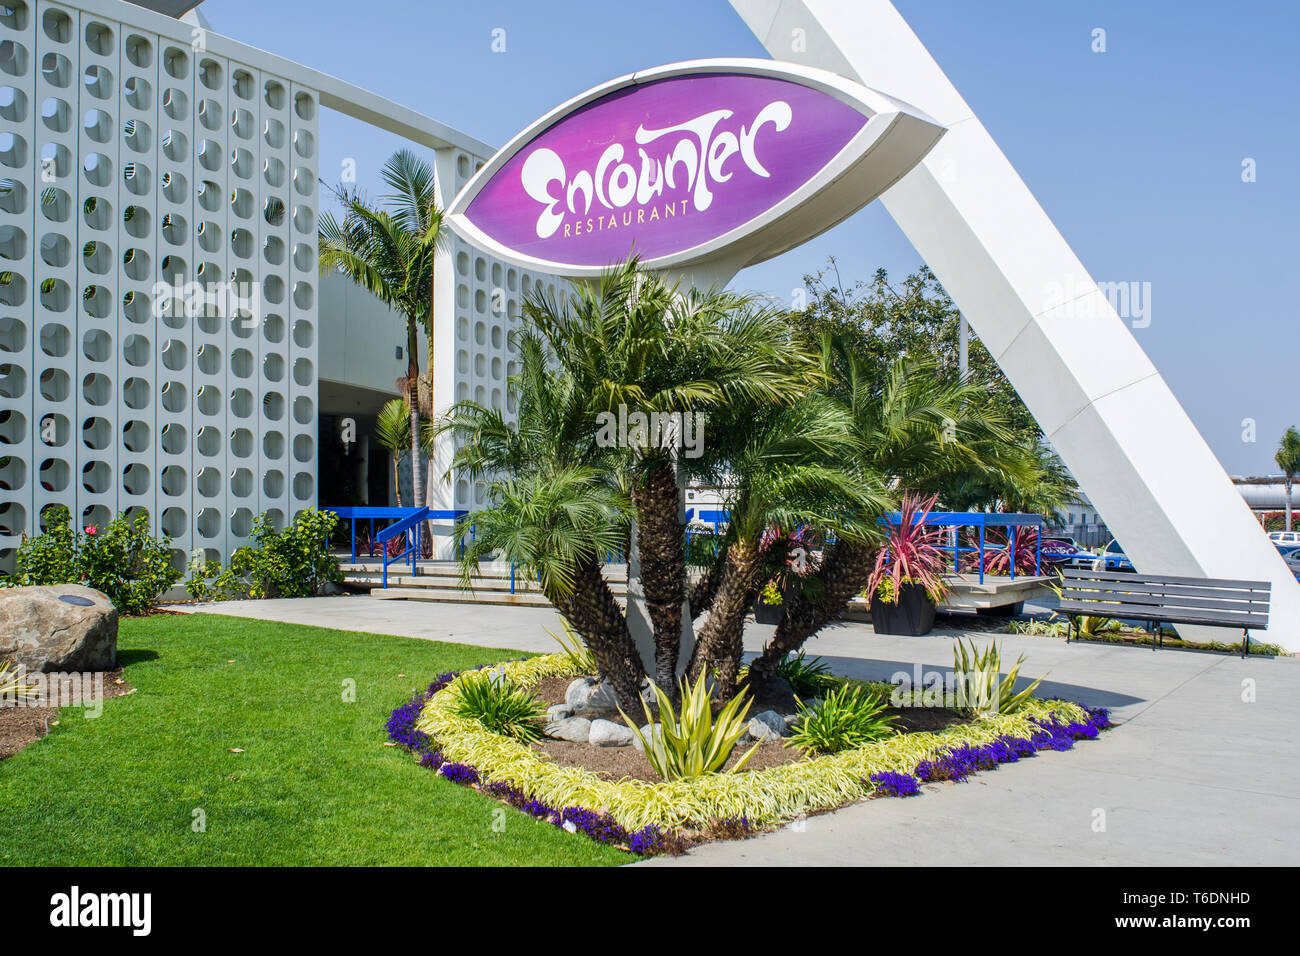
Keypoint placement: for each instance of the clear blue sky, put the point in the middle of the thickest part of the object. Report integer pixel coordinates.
(1135, 153)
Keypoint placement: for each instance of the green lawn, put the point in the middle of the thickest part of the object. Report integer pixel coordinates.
(314, 785)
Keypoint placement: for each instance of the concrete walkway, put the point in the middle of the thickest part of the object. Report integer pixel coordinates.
(1196, 774)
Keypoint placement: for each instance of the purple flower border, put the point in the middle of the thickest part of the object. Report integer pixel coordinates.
(955, 764)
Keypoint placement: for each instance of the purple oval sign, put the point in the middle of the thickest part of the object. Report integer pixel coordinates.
(674, 165)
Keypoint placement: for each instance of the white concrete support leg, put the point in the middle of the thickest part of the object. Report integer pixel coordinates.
(1075, 363)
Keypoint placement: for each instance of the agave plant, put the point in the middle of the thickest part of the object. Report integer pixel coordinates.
(911, 553)
(980, 687)
(847, 718)
(693, 743)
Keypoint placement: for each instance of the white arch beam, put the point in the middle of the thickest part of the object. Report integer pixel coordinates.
(1096, 394)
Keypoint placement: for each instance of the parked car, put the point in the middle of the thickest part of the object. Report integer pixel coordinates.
(1284, 537)
(1061, 551)
(1112, 558)
(1291, 555)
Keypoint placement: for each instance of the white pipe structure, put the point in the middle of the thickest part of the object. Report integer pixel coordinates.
(1052, 330)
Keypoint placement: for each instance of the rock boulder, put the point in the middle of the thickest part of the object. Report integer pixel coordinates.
(58, 628)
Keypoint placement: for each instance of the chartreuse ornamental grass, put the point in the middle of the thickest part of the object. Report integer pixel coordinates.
(314, 783)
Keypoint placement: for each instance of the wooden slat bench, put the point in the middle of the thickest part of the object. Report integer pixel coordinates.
(1157, 599)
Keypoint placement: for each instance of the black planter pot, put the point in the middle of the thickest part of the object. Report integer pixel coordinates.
(768, 613)
(912, 616)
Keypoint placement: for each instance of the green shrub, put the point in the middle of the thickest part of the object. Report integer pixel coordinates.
(807, 677)
(295, 562)
(500, 706)
(693, 743)
(847, 718)
(980, 688)
(122, 559)
(128, 564)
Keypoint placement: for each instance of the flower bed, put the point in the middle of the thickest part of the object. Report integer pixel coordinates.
(664, 817)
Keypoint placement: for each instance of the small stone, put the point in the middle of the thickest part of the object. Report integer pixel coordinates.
(606, 733)
(773, 720)
(762, 731)
(579, 692)
(575, 729)
(558, 712)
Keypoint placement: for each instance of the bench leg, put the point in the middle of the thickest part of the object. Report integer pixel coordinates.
(1245, 643)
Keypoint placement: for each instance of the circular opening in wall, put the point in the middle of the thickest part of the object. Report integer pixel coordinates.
(172, 522)
(135, 436)
(303, 448)
(273, 445)
(54, 430)
(135, 306)
(174, 439)
(174, 187)
(139, 51)
(57, 115)
(209, 522)
(173, 481)
(304, 106)
(56, 205)
(176, 146)
(95, 477)
(55, 340)
(273, 172)
(13, 519)
(303, 295)
(175, 104)
(13, 380)
(208, 359)
(13, 473)
(241, 482)
(135, 263)
(208, 483)
(241, 442)
(241, 203)
(273, 250)
(242, 84)
(13, 152)
(96, 345)
(96, 389)
(210, 74)
(208, 400)
(138, 178)
(95, 515)
(210, 114)
(241, 363)
(274, 136)
(241, 163)
(273, 367)
(303, 486)
(56, 68)
(304, 143)
(210, 154)
(174, 397)
(174, 355)
(13, 426)
(273, 483)
(96, 433)
(241, 403)
(13, 334)
(97, 212)
(135, 393)
(208, 441)
(135, 479)
(209, 195)
(209, 236)
(98, 81)
(174, 229)
(54, 474)
(273, 93)
(176, 62)
(241, 243)
(98, 169)
(304, 219)
(273, 211)
(136, 221)
(57, 25)
(55, 385)
(241, 522)
(273, 406)
(99, 38)
(273, 328)
(304, 257)
(55, 250)
(98, 126)
(241, 122)
(303, 335)
(56, 295)
(95, 300)
(303, 410)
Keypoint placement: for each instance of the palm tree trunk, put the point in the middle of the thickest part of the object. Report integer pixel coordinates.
(845, 571)
(721, 640)
(1288, 502)
(593, 611)
(413, 398)
(660, 537)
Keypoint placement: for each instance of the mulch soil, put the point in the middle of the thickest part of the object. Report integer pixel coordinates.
(24, 724)
(615, 763)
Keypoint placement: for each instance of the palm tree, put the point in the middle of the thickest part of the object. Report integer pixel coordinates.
(393, 431)
(391, 254)
(789, 473)
(911, 430)
(1288, 459)
(632, 340)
